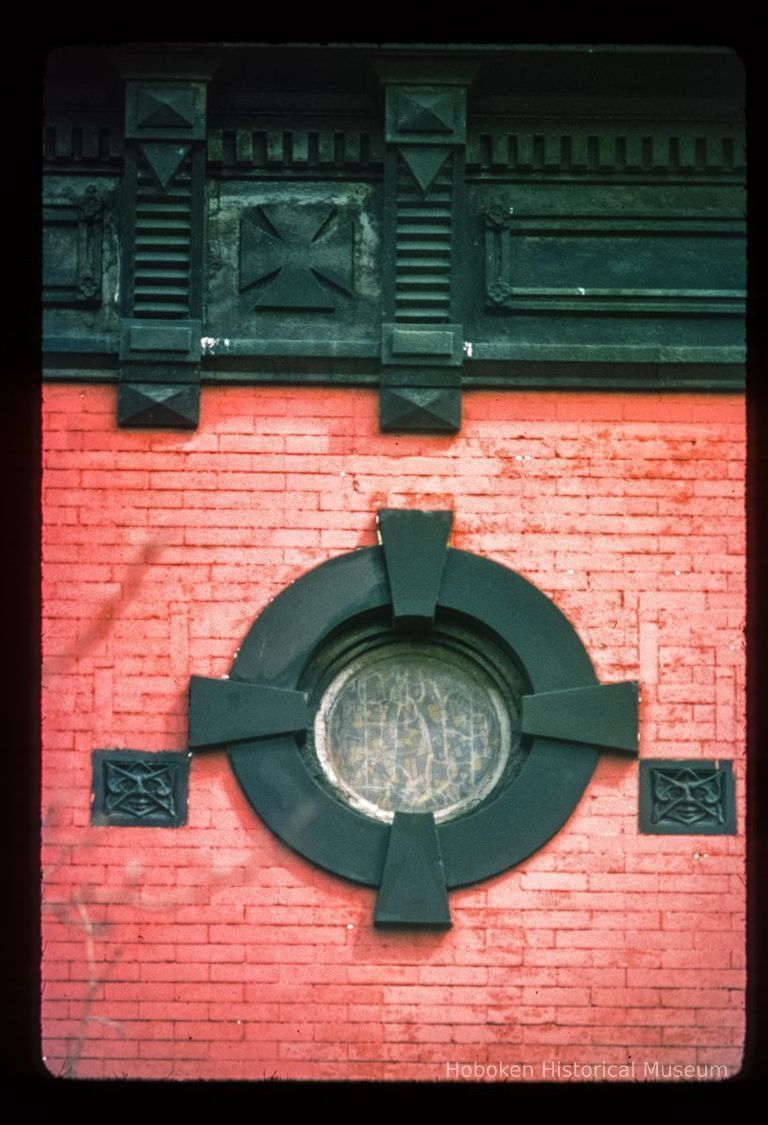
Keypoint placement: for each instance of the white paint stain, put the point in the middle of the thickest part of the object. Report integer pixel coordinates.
(209, 344)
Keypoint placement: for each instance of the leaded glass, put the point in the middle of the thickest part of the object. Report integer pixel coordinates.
(414, 728)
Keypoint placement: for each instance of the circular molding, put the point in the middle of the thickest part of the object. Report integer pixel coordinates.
(514, 820)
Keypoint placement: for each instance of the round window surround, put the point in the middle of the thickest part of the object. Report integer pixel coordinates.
(307, 636)
(415, 725)
(413, 717)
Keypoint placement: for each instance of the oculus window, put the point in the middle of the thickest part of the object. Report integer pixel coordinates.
(417, 726)
(413, 717)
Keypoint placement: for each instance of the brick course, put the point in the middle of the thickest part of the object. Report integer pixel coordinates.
(212, 950)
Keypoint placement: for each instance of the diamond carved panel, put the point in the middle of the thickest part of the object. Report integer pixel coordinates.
(687, 798)
(134, 788)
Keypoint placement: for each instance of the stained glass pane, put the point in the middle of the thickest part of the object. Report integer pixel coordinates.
(413, 728)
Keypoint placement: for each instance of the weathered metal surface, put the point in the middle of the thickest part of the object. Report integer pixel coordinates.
(224, 711)
(138, 788)
(159, 405)
(513, 217)
(415, 545)
(689, 797)
(604, 715)
(412, 891)
(333, 626)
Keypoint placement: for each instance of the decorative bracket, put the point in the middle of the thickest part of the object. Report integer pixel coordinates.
(163, 248)
(422, 344)
(401, 216)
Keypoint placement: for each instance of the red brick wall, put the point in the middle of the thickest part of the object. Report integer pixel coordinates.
(212, 950)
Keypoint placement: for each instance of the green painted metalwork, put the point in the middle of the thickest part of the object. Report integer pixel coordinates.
(163, 241)
(161, 405)
(686, 798)
(420, 409)
(412, 891)
(139, 788)
(392, 714)
(415, 545)
(604, 715)
(223, 711)
(423, 218)
(296, 257)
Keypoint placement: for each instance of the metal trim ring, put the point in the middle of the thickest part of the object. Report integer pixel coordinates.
(503, 830)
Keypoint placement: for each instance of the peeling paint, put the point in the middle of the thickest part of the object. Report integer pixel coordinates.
(209, 344)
